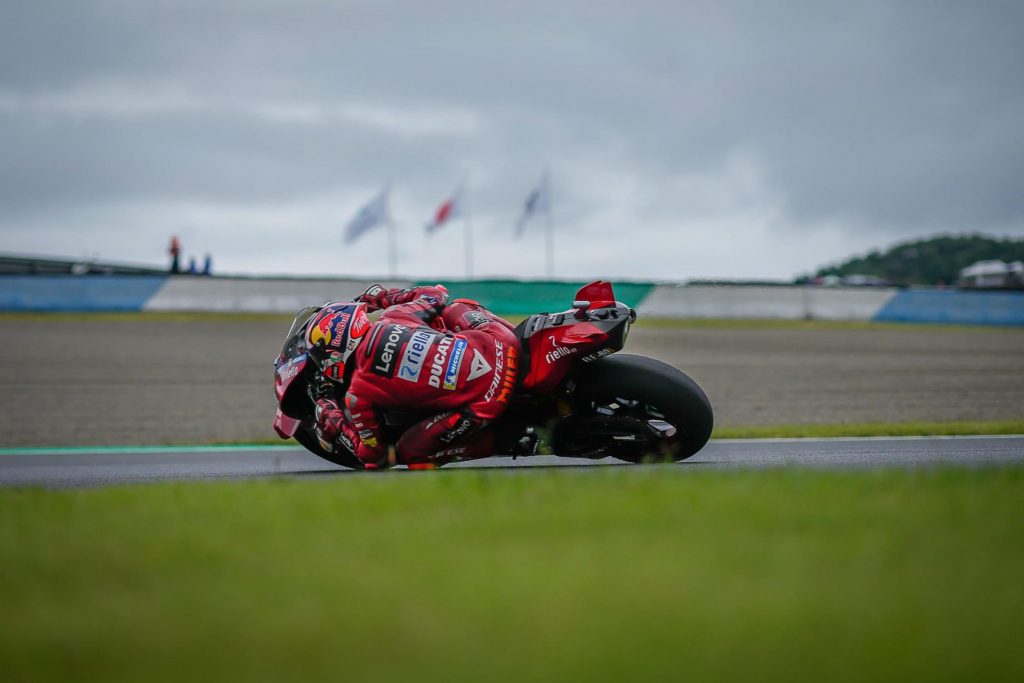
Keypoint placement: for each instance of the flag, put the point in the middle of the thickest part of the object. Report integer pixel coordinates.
(449, 209)
(374, 213)
(538, 200)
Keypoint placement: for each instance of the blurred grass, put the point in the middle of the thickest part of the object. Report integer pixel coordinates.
(952, 428)
(608, 574)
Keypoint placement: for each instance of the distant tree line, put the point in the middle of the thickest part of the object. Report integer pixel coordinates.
(934, 261)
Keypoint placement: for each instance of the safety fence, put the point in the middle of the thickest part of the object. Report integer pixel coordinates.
(753, 301)
(269, 295)
(286, 295)
(960, 307)
(78, 292)
(510, 297)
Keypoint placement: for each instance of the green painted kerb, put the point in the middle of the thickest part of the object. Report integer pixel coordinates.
(508, 297)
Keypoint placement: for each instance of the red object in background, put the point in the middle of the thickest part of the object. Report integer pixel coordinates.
(175, 251)
(449, 209)
(443, 213)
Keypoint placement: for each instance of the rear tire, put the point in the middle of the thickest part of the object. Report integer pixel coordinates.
(659, 391)
(307, 438)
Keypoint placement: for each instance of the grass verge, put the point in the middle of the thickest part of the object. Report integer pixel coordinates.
(955, 428)
(609, 574)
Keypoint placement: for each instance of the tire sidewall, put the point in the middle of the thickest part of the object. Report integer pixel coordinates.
(675, 393)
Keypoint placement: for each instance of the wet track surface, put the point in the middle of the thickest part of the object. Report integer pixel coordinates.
(100, 467)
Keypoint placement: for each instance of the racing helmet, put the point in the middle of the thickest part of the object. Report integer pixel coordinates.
(333, 334)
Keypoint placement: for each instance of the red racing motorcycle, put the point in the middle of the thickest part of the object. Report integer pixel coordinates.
(572, 397)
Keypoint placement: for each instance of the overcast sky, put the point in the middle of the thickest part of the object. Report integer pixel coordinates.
(684, 139)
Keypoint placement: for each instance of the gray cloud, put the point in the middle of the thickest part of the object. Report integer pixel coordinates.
(684, 139)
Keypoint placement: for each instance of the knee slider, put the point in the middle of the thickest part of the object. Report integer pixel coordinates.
(459, 425)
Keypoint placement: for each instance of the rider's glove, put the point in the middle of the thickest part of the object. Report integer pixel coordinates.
(330, 420)
(377, 298)
(373, 297)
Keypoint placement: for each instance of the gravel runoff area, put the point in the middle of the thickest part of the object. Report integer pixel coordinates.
(75, 381)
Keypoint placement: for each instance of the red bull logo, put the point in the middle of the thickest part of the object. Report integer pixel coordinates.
(340, 323)
(335, 325)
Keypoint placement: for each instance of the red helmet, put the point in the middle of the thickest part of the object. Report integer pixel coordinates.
(333, 334)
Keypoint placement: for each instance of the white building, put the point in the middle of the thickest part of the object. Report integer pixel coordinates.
(993, 274)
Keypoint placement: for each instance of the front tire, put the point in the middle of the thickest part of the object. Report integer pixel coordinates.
(631, 393)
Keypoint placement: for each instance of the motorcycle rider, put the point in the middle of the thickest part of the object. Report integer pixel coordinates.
(464, 370)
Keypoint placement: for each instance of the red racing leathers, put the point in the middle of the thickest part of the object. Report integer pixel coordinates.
(463, 371)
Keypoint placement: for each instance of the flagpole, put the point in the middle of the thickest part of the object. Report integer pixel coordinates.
(392, 249)
(550, 245)
(469, 236)
(550, 237)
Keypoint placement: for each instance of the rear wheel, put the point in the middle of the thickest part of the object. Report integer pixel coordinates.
(307, 438)
(636, 409)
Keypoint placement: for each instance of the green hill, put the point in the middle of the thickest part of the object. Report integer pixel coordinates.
(928, 262)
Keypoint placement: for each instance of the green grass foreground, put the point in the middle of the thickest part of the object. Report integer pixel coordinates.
(613, 574)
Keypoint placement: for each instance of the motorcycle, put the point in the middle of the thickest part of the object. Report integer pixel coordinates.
(572, 396)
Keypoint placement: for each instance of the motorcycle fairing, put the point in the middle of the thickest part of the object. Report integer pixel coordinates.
(289, 375)
(286, 372)
(554, 342)
(597, 294)
(285, 426)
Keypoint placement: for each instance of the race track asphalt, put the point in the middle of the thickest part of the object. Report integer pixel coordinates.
(153, 381)
(58, 468)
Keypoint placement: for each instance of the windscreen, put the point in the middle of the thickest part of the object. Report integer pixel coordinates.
(301, 318)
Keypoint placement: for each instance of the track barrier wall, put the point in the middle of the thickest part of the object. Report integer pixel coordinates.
(751, 301)
(270, 295)
(508, 297)
(944, 306)
(77, 292)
